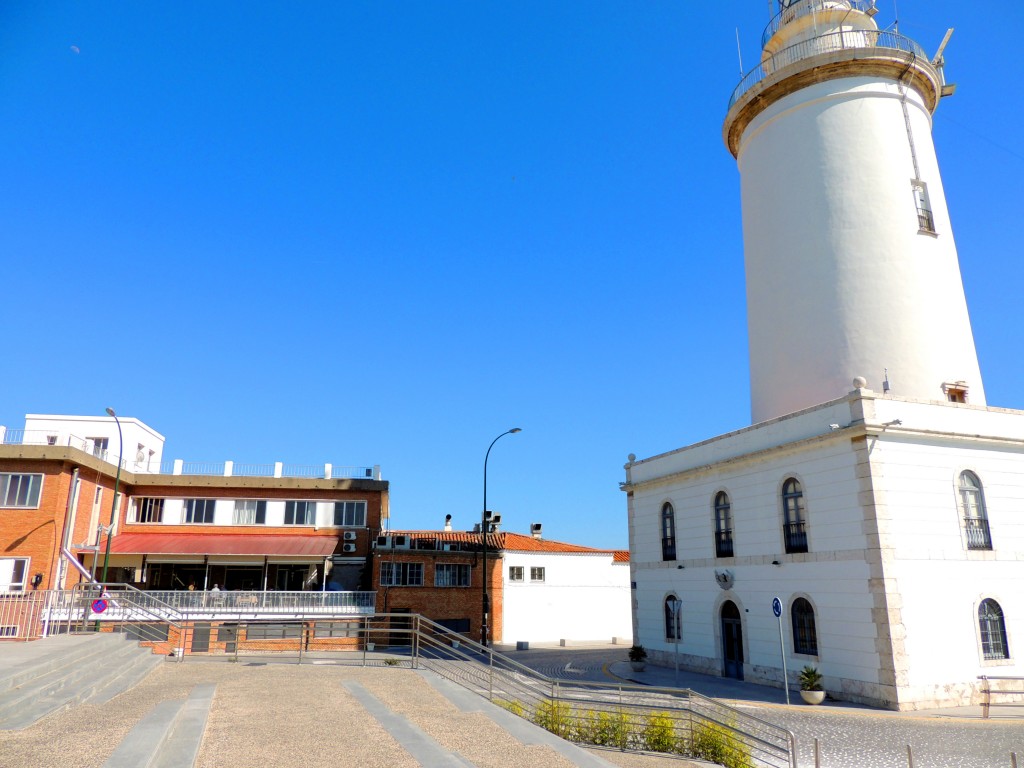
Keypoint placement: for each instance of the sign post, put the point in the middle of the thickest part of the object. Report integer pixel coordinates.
(777, 610)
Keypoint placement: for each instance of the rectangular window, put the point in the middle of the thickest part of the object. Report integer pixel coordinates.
(925, 220)
(13, 571)
(199, 510)
(99, 446)
(451, 575)
(273, 631)
(536, 574)
(350, 514)
(299, 512)
(401, 574)
(336, 629)
(515, 573)
(249, 512)
(455, 625)
(20, 490)
(149, 510)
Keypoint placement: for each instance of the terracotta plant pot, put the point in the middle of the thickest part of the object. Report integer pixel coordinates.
(812, 697)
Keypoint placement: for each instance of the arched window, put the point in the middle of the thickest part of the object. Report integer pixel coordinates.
(972, 507)
(723, 525)
(668, 532)
(673, 618)
(805, 634)
(993, 630)
(794, 517)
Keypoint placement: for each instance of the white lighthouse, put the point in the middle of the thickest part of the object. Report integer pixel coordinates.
(851, 266)
(875, 501)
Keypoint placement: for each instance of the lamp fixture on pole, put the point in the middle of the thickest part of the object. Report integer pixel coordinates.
(484, 525)
(117, 483)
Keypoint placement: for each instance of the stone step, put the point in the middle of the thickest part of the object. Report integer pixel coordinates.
(23, 662)
(49, 687)
(169, 736)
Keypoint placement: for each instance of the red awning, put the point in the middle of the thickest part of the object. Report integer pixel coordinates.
(221, 544)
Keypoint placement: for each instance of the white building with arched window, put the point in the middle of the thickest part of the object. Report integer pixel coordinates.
(887, 520)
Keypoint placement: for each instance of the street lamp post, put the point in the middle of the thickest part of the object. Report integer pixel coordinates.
(483, 539)
(117, 484)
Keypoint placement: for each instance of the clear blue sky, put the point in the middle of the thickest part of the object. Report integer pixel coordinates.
(385, 232)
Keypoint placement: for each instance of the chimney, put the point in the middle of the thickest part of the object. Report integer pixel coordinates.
(447, 522)
(535, 529)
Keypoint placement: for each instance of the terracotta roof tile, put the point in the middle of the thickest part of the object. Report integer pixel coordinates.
(514, 542)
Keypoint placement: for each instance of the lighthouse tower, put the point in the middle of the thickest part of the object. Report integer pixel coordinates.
(851, 267)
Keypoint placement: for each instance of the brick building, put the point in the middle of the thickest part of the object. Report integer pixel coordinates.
(178, 525)
(539, 590)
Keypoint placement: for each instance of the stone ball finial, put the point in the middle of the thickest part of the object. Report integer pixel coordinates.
(631, 458)
(859, 382)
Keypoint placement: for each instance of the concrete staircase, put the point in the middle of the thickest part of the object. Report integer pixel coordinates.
(45, 676)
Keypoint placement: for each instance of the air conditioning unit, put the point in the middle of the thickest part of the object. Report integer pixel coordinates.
(348, 547)
(384, 542)
(349, 536)
(401, 542)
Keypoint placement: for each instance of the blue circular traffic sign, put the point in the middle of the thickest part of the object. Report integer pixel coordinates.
(99, 606)
(777, 607)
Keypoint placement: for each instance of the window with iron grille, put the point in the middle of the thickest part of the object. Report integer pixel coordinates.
(350, 514)
(805, 633)
(723, 525)
(515, 573)
(993, 631)
(199, 510)
(925, 220)
(668, 532)
(20, 491)
(401, 574)
(537, 574)
(794, 522)
(972, 508)
(451, 575)
(299, 512)
(149, 510)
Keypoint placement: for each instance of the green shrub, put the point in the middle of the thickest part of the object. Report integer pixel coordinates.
(605, 729)
(392, 662)
(718, 744)
(554, 716)
(659, 734)
(515, 707)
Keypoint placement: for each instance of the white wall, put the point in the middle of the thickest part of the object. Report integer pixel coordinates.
(77, 431)
(584, 597)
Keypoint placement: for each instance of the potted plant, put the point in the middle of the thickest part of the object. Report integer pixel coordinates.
(637, 657)
(810, 685)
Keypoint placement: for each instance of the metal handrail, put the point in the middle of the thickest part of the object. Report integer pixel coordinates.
(582, 711)
(806, 8)
(986, 705)
(833, 41)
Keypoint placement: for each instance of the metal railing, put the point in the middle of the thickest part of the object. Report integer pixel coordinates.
(874, 42)
(629, 717)
(23, 614)
(795, 536)
(250, 602)
(1016, 692)
(723, 543)
(808, 8)
(120, 608)
(978, 535)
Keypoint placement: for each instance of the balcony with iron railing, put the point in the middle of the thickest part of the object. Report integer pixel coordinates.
(978, 536)
(723, 543)
(795, 536)
(809, 8)
(857, 41)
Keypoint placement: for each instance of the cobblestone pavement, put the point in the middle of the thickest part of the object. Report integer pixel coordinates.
(849, 735)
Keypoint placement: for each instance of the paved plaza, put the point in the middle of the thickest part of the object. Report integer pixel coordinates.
(275, 712)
